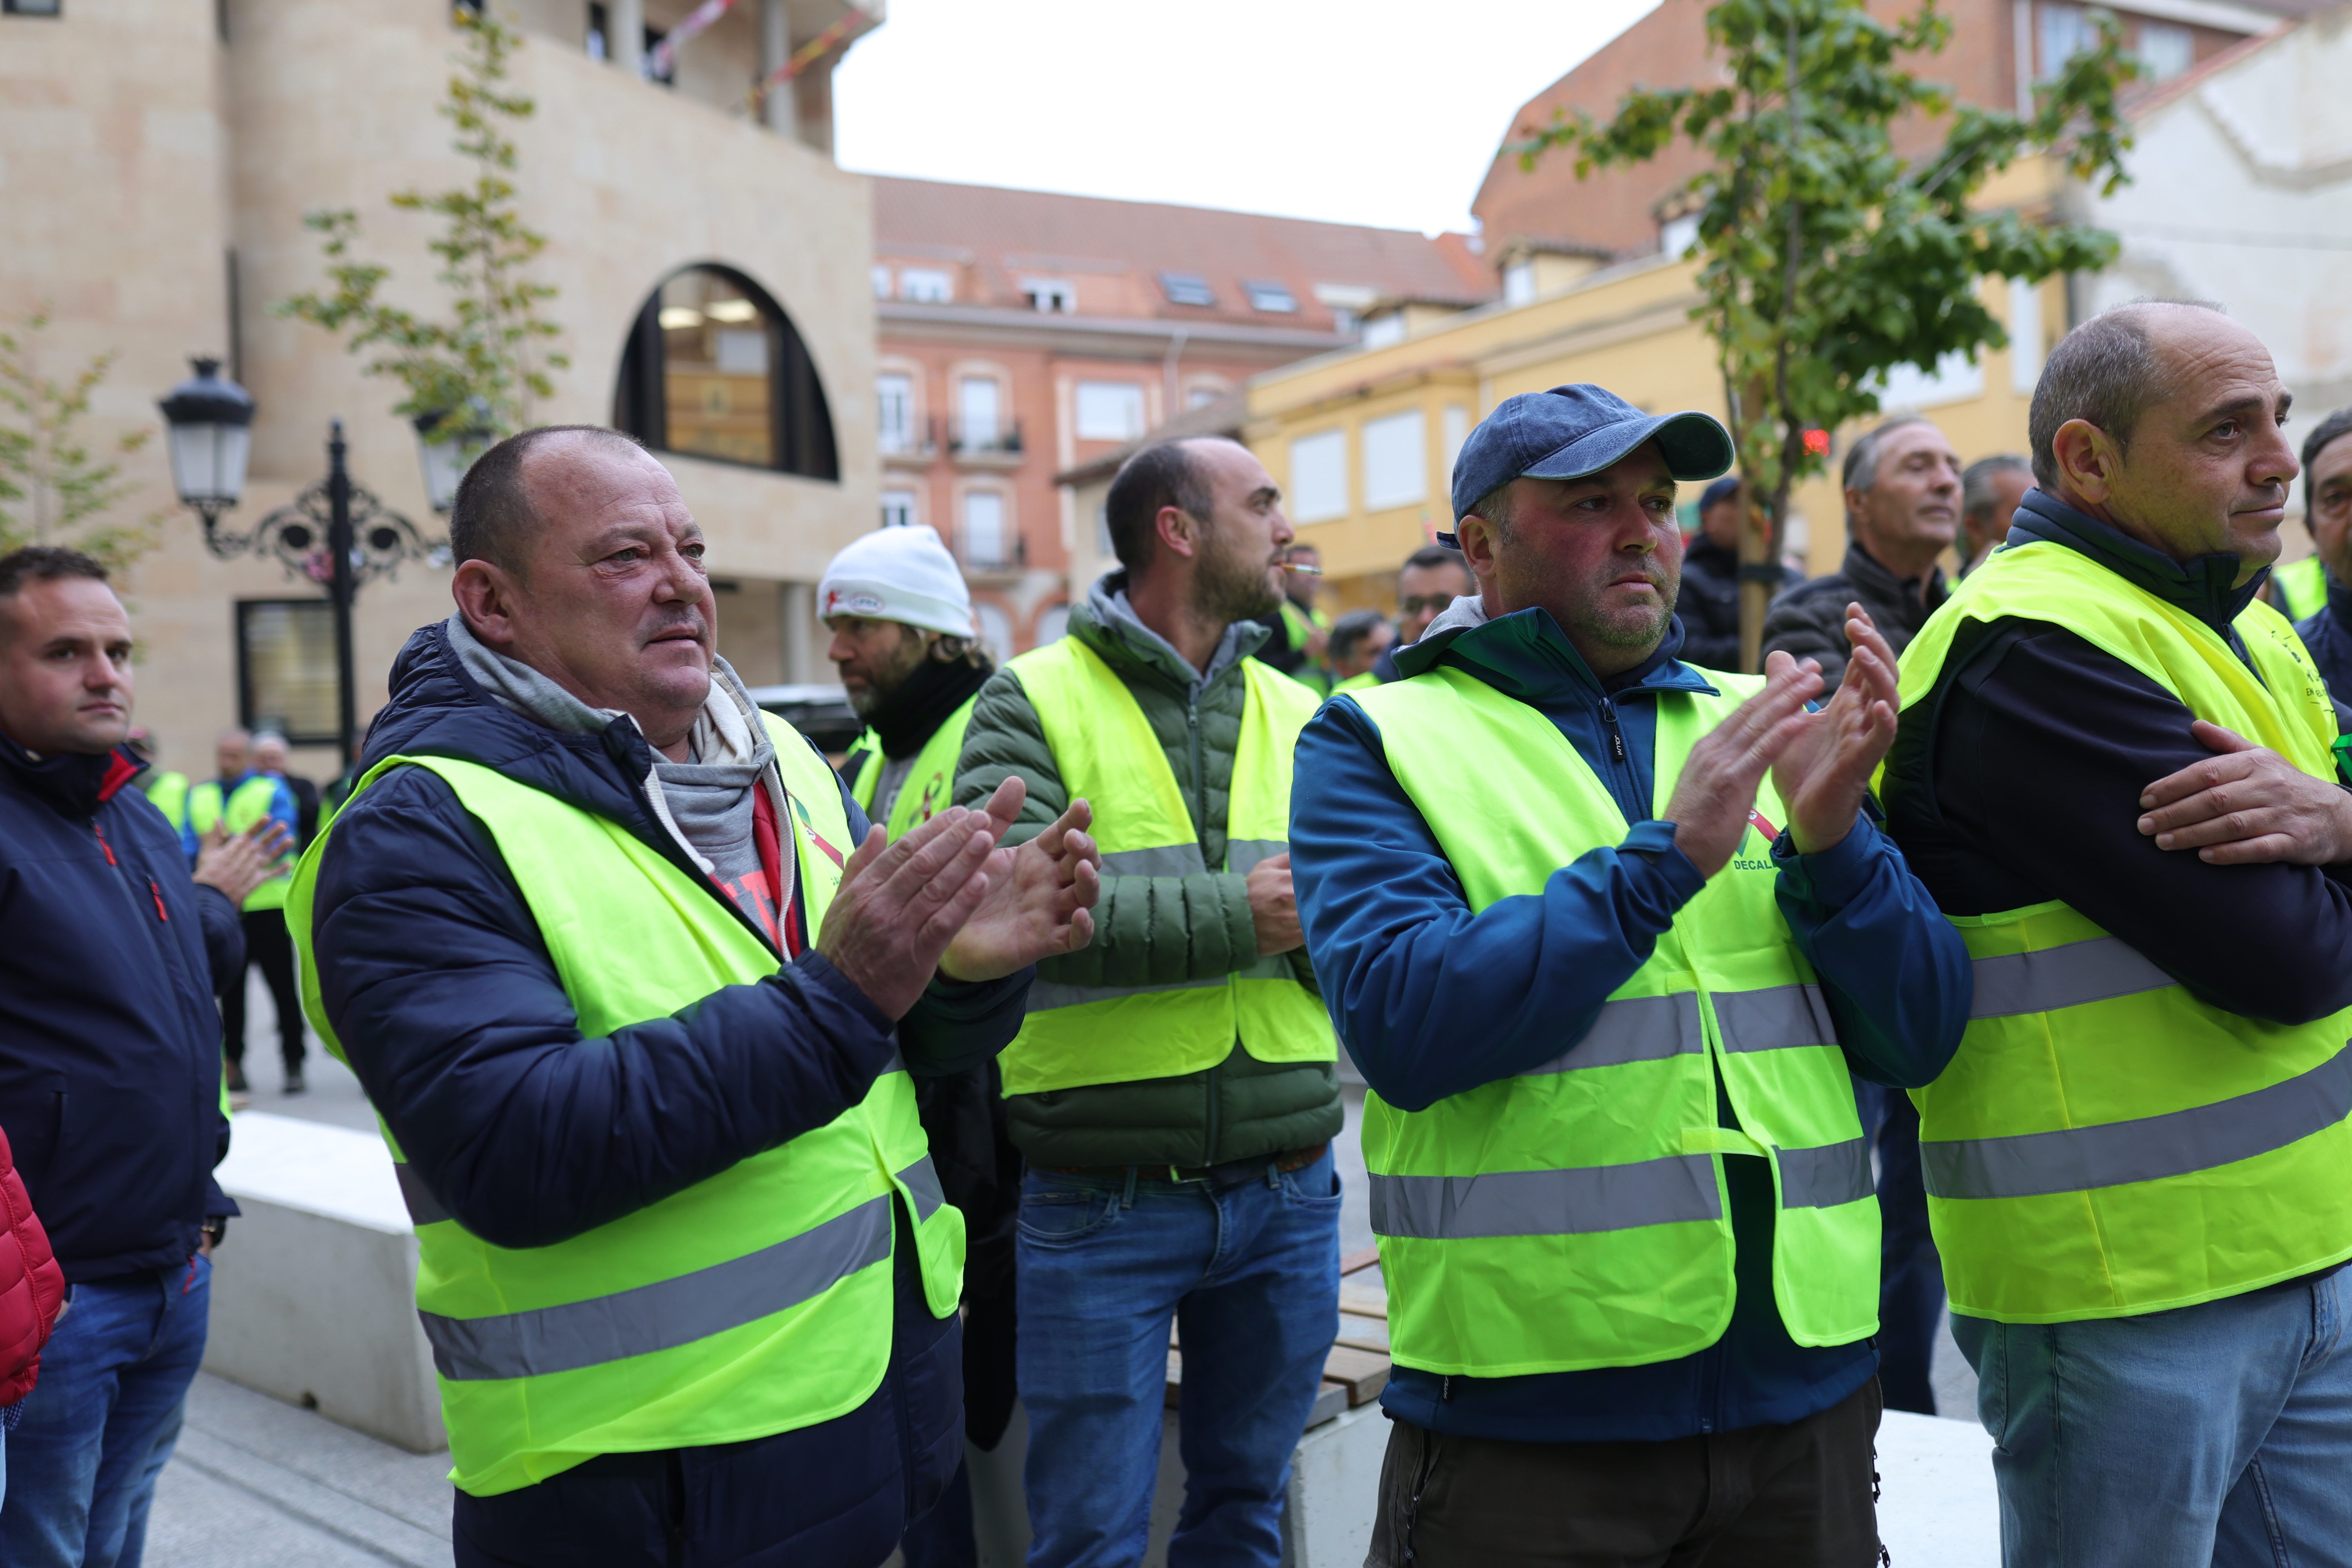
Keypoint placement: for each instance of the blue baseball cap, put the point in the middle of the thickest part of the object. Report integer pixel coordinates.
(1722, 491)
(1572, 431)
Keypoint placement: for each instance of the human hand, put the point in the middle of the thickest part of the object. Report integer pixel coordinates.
(1825, 772)
(1717, 790)
(1040, 898)
(900, 904)
(1274, 907)
(237, 866)
(2247, 806)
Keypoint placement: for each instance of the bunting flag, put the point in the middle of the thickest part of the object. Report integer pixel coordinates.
(664, 53)
(851, 23)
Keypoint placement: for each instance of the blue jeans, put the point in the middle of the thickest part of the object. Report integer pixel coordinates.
(2218, 1435)
(1250, 1272)
(102, 1420)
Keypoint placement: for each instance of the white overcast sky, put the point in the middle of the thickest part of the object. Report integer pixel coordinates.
(1370, 111)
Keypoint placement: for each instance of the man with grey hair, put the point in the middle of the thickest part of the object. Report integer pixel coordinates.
(2113, 771)
(1903, 511)
(1989, 491)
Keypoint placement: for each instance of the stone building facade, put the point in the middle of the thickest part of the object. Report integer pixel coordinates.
(157, 158)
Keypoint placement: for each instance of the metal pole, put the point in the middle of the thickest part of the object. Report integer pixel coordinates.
(338, 589)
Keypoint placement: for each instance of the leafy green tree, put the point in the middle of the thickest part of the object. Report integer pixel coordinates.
(52, 484)
(1827, 258)
(488, 361)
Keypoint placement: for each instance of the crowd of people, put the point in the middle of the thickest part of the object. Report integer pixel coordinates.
(769, 1127)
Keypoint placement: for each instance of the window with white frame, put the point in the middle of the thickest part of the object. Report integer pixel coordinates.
(1455, 430)
(894, 415)
(1319, 477)
(1266, 294)
(1110, 411)
(987, 538)
(2064, 31)
(1955, 378)
(2164, 51)
(1676, 236)
(2024, 336)
(1396, 460)
(1200, 396)
(897, 509)
(978, 402)
(1187, 289)
(926, 285)
(1519, 282)
(1050, 296)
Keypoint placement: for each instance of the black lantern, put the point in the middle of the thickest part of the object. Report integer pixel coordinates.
(210, 421)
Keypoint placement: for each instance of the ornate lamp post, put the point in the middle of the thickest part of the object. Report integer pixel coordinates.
(335, 532)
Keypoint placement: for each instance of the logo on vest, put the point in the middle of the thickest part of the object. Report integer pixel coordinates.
(1763, 825)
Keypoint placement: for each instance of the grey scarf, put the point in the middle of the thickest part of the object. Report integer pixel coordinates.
(706, 801)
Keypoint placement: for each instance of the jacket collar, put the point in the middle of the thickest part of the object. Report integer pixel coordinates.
(2201, 585)
(2340, 600)
(71, 784)
(1526, 656)
(1861, 568)
(436, 709)
(1108, 624)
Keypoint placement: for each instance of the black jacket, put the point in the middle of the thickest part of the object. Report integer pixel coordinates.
(2328, 636)
(1709, 603)
(433, 973)
(2017, 780)
(109, 1041)
(1809, 620)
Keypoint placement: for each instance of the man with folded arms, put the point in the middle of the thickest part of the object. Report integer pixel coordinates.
(2113, 771)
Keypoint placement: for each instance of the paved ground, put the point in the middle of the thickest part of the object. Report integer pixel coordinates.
(258, 1484)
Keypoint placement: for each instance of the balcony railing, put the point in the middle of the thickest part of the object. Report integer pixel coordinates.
(912, 438)
(998, 438)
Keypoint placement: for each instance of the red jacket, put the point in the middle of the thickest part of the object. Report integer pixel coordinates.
(32, 1286)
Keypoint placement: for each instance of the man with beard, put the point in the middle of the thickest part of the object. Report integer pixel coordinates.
(901, 622)
(1174, 1087)
(1607, 933)
(1902, 511)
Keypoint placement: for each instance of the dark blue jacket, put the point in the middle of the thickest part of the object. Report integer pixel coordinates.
(110, 1040)
(2017, 780)
(1433, 1000)
(2328, 636)
(433, 973)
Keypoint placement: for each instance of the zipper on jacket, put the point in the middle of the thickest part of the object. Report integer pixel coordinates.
(1616, 735)
(1200, 784)
(158, 893)
(104, 845)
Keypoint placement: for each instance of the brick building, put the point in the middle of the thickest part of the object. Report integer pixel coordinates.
(1544, 227)
(1022, 334)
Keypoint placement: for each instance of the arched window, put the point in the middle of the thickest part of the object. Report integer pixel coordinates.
(714, 369)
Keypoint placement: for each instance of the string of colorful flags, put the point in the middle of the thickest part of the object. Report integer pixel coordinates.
(700, 19)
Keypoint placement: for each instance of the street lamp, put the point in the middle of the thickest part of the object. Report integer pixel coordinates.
(335, 533)
(211, 422)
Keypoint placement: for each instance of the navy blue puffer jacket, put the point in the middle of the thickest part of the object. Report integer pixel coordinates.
(110, 1040)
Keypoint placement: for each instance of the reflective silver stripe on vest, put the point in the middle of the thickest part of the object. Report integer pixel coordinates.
(1780, 1018)
(923, 1180)
(2145, 1149)
(1634, 1029)
(1044, 995)
(2098, 970)
(1547, 1202)
(1825, 1177)
(666, 1314)
(1243, 854)
(1169, 860)
(424, 1208)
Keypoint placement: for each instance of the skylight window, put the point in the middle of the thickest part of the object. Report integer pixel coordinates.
(1187, 289)
(1264, 296)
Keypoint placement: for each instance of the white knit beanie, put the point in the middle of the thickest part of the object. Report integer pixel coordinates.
(898, 575)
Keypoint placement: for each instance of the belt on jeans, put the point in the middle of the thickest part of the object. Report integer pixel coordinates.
(1223, 1175)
